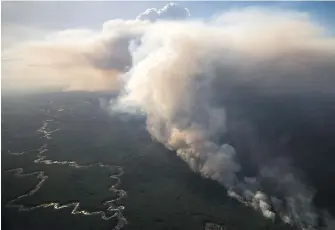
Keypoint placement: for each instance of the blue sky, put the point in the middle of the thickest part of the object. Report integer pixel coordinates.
(64, 15)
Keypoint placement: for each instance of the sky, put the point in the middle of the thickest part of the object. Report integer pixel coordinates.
(67, 14)
(32, 20)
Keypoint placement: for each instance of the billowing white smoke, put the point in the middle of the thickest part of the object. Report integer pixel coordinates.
(174, 80)
(177, 72)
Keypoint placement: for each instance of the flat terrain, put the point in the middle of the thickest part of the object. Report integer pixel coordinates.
(162, 192)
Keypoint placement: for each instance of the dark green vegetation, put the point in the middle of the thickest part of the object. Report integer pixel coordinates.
(162, 192)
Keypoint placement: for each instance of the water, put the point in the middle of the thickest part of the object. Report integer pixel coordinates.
(67, 164)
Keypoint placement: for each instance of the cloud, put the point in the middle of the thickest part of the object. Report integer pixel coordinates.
(171, 11)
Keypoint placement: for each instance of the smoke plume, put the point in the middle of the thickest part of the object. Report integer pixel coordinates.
(177, 73)
(181, 71)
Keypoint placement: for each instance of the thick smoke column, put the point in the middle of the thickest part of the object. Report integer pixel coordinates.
(177, 73)
(174, 79)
